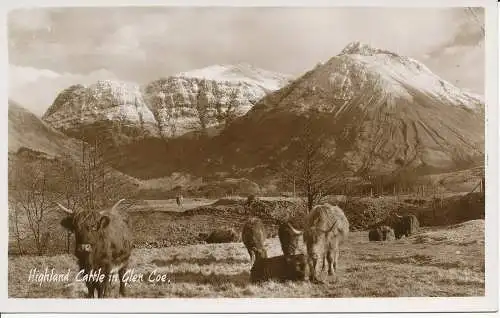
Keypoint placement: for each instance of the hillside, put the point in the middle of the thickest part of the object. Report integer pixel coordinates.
(27, 130)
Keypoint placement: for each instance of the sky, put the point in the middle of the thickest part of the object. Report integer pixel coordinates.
(53, 48)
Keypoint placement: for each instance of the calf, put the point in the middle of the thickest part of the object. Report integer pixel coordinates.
(280, 268)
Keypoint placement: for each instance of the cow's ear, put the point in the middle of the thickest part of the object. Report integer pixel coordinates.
(67, 223)
(104, 222)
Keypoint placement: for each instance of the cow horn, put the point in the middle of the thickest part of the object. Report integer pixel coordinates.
(65, 209)
(296, 232)
(113, 209)
(399, 216)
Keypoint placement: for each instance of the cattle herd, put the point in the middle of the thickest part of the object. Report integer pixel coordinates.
(102, 243)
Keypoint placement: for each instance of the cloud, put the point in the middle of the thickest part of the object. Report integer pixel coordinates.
(124, 41)
(143, 44)
(29, 20)
(36, 89)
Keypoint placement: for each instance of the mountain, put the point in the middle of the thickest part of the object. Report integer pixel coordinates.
(32, 141)
(28, 131)
(266, 80)
(167, 107)
(381, 112)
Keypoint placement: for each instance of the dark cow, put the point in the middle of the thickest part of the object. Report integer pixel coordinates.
(280, 268)
(222, 236)
(289, 238)
(326, 227)
(405, 225)
(102, 245)
(375, 234)
(253, 236)
(387, 233)
(381, 233)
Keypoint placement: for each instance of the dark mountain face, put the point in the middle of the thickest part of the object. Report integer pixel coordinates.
(382, 112)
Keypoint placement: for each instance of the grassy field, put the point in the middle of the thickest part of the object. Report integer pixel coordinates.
(438, 261)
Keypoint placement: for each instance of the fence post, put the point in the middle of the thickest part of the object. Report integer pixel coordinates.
(68, 242)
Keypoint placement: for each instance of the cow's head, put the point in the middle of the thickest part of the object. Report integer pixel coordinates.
(88, 227)
(289, 238)
(315, 240)
(298, 267)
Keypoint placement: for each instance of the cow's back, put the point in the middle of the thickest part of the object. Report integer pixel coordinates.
(253, 234)
(327, 217)
(413, 223)
(118, 239)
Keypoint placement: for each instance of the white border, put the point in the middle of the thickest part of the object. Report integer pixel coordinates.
(199, 305)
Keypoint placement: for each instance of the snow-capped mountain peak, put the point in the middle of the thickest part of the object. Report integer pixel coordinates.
(242, 72)
(362, 68)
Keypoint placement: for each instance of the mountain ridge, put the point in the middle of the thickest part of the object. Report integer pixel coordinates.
(163, 108)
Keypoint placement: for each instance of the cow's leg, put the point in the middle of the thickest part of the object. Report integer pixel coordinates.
(106, 284)
(91, 290)
(252, 256)
(121, 273)
(313, 262)
(100, 290)
(330, 259)
(336, 255)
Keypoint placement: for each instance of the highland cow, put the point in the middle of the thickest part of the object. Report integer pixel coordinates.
(375, 234)
(289, 238)
(253, 236)
(387, 233)
(326, 227)
(222, 236)
(405, 225)
(280, 268)
(103, 244)
(381, 233)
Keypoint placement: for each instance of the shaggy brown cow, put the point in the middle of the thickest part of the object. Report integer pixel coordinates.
(253, 236)
(405, 225)
(222, 236)
(387, 233)
(381, 233)
(280, 268)
(375, 234)
(326, 227)
(289, 238)
(102, 246)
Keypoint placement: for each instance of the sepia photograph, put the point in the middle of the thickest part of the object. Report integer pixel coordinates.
(166, 152)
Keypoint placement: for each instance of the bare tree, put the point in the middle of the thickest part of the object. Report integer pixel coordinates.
(90, 181)
(31, 197)
(312, 169)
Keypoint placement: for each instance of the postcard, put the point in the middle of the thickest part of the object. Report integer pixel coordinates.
(223, 156)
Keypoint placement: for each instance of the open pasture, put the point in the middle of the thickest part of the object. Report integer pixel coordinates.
(438, 261)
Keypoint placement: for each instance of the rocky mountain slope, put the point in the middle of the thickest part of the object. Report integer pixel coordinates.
(381, 112)
(168, 107)
(28, 131)
(34, 143)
